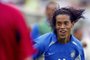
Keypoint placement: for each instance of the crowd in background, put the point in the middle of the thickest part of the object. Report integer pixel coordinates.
(36, 16)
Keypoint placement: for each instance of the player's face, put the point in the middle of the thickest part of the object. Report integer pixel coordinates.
(63, 26)
(50, 10)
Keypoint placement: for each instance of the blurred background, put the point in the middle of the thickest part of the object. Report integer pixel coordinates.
(34, 12)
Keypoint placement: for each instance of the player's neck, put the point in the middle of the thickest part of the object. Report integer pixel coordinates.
(64, 40)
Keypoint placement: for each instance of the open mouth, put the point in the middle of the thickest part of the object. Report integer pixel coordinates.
(62, 32)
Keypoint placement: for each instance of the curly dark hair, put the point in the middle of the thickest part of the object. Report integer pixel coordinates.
(74, 14)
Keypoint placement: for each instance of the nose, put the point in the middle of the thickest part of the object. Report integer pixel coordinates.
(62, 26)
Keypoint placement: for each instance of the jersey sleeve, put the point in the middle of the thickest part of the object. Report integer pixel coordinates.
(39, 45)
(80, 52)
(42, 44)
(80, 55)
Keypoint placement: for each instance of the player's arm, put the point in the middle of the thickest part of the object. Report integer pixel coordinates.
(40, 47)
(80, 55)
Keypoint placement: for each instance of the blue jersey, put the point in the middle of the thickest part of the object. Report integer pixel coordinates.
(53, 50)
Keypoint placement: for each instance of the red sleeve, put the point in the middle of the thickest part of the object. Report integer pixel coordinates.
(26, 46)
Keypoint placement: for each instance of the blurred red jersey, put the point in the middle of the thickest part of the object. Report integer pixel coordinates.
(15, 41)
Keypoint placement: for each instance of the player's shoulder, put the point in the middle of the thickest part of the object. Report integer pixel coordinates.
(76, 42)
(44, 38)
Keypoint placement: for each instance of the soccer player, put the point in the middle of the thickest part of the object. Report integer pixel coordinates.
(60, 44)
(44, 26)
(15, 41)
